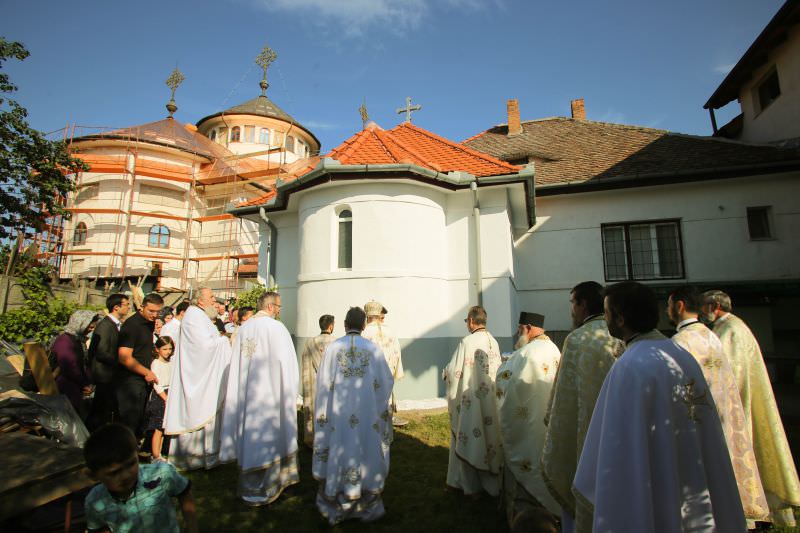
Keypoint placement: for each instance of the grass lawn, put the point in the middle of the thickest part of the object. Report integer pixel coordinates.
(415, 496)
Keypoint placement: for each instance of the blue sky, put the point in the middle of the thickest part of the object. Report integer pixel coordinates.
(100, 63)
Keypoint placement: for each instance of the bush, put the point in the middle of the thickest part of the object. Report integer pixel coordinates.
(250, 298)
(41, 324)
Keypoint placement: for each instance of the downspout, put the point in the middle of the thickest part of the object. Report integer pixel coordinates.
(476, 218)
(271, 247)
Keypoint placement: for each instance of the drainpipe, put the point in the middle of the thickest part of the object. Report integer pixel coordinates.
(272, 246)
(476, 218)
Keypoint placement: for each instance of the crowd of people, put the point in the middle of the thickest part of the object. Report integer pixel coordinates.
(622, 429)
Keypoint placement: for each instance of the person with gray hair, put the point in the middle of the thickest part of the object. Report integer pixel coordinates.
(762, 419)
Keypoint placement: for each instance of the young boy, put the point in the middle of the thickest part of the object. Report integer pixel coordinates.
(132, 497)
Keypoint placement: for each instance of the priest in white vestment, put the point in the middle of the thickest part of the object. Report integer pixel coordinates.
(683, 307)
(589, 352)
(654, 457)
(196, 390)
(353, 426)
(524, 382)
(311, 359)
(762, 419)
(379, 333)
(476, 453)
(260, 423)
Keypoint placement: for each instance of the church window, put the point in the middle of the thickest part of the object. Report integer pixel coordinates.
(263, 136)
(289, 143)
(236, 134)
(345, 239)
(159, 236)
(768, 90)
(223, 135)
(301, 148)
(212, 135)
(642, 250)
(81, 232)
(249, 134)
(759, 223)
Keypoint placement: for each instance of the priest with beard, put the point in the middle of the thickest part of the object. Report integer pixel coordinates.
(196, 390)
(476, 453)
(260, 422)
(353, 426)
(524, 382)
(655, 457)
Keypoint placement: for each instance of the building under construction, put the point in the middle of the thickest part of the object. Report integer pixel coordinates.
(153, 204)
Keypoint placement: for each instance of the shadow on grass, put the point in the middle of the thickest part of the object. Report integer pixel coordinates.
(414, 496)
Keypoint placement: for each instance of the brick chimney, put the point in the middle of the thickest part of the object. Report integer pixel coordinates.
(578, 111)
(514, 125)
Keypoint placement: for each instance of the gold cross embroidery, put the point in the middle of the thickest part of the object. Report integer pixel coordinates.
(249, 347)
(692, 400)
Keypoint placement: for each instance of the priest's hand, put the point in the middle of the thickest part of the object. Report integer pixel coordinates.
(149, 377)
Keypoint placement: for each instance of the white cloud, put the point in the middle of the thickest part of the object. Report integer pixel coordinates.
(613, 116)
(723, 69)
(317, 125)
(356, 17)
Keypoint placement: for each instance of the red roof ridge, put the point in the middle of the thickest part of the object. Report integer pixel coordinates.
(457, 146)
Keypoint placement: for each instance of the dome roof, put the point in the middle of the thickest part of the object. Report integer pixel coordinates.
(260, 106)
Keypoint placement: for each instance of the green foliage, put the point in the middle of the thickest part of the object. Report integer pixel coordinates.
(34, 172)
(250, 298)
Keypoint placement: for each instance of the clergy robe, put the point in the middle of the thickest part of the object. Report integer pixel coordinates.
(653, 459)
(706, 347)
(381, 335)
(762, 419)
(311, 358)
(353, 429)
(524, 382)
(196, 392)
(476, 454)
(260, 422)
(172, 329)
(587, 356)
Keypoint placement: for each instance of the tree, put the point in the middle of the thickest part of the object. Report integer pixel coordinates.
(35, 173)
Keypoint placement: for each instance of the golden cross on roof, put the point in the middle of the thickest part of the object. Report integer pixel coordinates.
(408, 109)
(264, 60)
(173, 82)
(362, 110)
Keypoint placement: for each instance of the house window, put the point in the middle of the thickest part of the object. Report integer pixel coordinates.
(212, 135)
(758, 223)
(263, 136)
(301, 148)
(249, 134)
(159, 236)
(768, 90)
(642, 250)
(223, 135)
(289, 144)
(236, 134)
(345, 239)
(80, 235)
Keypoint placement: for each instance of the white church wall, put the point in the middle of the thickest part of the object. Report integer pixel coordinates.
(565, 247)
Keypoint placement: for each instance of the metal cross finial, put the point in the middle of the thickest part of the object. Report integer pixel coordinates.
(173, 82)
(264, 60)
(362, 109)
(408, 109)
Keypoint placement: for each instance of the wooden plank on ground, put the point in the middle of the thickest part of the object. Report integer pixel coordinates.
(40, 368)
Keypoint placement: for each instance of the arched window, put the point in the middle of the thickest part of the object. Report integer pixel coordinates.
(159, 236)
(289, 144)
(346, 239)
(223, 136)
(236, 134)
(263, 136)
(212, 135)
(80, 234)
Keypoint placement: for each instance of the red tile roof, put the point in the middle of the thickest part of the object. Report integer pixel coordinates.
(405, 144)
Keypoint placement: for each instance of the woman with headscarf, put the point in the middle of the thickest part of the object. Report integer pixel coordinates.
(69, 350)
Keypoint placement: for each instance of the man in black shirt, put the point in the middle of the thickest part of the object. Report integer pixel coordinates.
(135, 355)
(104, 360)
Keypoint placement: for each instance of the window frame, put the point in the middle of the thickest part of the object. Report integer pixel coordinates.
(236, 134)
(344, 217)
(629, 266)
(161, 231)
(767, 211)
(264, 132)
(761, 85)
(80, 234)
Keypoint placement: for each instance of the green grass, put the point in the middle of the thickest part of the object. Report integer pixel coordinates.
(414, 497)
